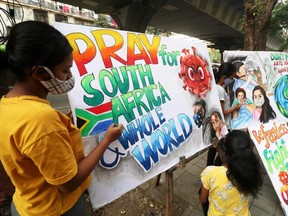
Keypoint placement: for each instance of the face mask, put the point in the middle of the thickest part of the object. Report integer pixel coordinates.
(228, 81)
(56, 86)
(259, 102)
(198, 119)
(239, 77)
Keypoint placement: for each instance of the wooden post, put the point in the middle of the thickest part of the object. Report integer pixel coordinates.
(169, 192)
(169, 179)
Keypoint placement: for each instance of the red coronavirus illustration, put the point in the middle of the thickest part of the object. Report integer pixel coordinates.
(195, 75)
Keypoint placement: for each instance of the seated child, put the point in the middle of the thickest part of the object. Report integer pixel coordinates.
(226, 189)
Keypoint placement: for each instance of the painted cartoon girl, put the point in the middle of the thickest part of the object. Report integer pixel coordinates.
(242, 116)
(219, 129)
(263, 111)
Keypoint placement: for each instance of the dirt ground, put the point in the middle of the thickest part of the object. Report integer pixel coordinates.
(123, 206)
(135, 202)
(132, 203)
(145, 200)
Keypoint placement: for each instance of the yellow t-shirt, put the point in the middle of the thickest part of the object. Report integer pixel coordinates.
(39, 149)
(224, 198)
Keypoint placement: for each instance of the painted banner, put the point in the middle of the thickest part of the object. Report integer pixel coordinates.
(271, 141)
(262, 83)
(161, 89)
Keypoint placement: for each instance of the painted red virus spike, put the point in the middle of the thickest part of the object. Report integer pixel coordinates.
(185, 51)
(194, 50)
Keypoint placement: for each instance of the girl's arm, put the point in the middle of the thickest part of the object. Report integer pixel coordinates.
(232, 109)
(204, 193)
(249, 105)
(86, 165)
(223, 131)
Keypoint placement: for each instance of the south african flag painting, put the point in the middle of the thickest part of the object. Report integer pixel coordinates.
(94, 120)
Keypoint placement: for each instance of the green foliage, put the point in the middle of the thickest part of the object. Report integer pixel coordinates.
(102, 21)
(279, 23)
(284, 47)
(157, 31)
(254, 7)
(215, 55)
(257, 7)
(279, 20)
(242, 23)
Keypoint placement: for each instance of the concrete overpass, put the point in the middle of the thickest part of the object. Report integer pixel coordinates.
(216, 21)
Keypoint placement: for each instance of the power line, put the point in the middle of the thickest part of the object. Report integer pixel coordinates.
(7, 19)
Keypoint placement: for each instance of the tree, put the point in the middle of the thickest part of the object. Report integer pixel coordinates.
(257, 16)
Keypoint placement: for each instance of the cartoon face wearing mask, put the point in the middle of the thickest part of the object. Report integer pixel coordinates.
(199, 112)
(258, 98)
(56, 86)
(198, 119)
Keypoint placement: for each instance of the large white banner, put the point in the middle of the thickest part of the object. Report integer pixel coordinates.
(271, 141)
(264, 78)
(148, 83)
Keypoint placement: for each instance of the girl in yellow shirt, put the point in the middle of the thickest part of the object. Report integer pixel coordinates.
(226, 188)
(40, 149)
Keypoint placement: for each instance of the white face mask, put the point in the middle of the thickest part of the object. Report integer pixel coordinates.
(259, 102)
(56, 86)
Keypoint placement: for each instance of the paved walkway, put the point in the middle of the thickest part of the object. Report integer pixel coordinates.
(149, 200)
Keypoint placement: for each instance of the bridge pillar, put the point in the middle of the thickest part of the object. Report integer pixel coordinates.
(134, 17)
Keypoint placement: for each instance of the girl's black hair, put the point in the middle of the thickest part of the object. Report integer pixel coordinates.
(238, 64)
(242, 163)
(226, 69)
(267, 111)
(33, 43)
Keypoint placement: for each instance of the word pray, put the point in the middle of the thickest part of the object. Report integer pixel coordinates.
(138, 48)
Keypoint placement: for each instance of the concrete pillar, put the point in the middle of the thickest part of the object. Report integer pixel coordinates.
(134, 17)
